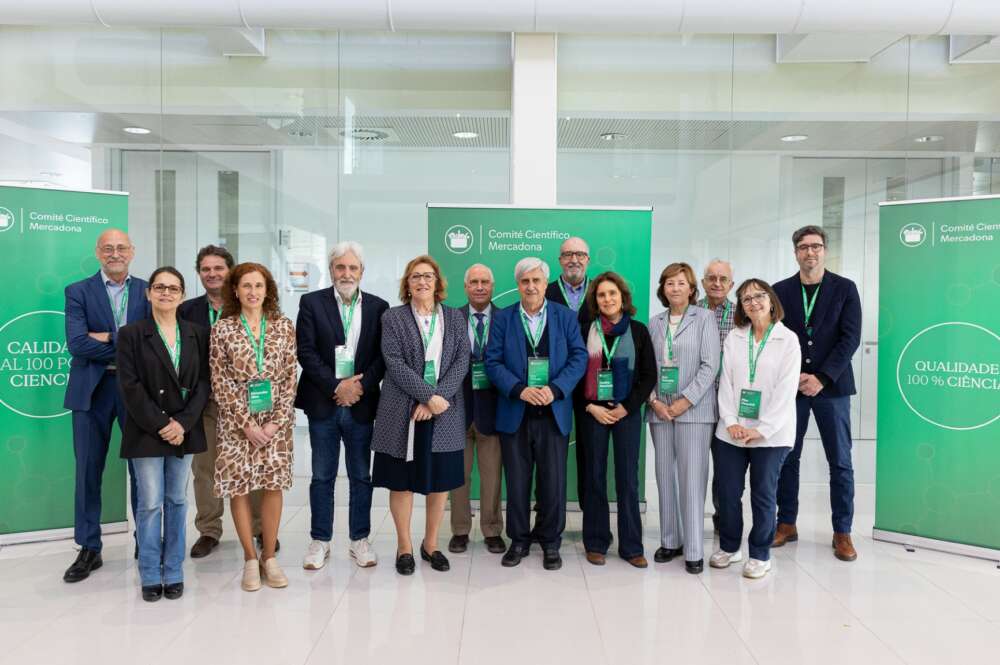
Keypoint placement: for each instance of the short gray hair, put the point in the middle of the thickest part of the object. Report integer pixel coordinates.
(345, 247)
(529, 263)
(718, 260)
(465, 278)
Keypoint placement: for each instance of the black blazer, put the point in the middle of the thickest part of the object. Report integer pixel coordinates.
(480, 405)
(554, 293)
(643, 378)
(318, 330)
(151, 389)
(195, 310)
(836, 324)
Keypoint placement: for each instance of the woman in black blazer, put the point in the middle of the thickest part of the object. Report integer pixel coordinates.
(621, 374)
(163, 378)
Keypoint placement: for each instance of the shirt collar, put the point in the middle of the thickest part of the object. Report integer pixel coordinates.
(486, 312)
(537, 315)
(108, 282)
(570, 288)
(336, 294)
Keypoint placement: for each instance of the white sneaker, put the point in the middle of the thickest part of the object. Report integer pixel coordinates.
(362, 553)
(316, 555)
(755, 568)
(722, 558)
(251, 575)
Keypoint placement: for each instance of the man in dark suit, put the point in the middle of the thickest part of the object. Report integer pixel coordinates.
(824, 310)
(535, 357)
(96, 308)
(339, 335)
(213, 264)
(481, 440)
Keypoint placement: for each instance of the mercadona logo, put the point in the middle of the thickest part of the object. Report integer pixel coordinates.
(912, 235)
(6, 219)
(458, 239)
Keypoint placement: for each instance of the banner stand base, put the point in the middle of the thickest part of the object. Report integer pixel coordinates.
(911, 542)
(56, 534)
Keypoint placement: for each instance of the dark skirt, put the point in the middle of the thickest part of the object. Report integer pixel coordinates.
(428, 472)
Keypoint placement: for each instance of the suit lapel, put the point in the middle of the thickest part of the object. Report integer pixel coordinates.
(100, 292)
(823, 300)
(448, 341)
(686, 321)
(136, 309)
(333, 311)
(189, 347)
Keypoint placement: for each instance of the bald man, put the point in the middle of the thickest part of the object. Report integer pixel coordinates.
(96, 308)
(571, 286)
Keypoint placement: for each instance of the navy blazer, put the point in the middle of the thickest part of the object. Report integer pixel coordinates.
(88, 309)
(480, 405)
(836, 324)
(318, 330)
(554, 294)
(195, 310)
(507, 363)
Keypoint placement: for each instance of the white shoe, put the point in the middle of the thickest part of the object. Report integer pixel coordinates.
(316, 555)
(722, 558)
(755, 568)
(251, 575)
(362, 553)
(273, 575)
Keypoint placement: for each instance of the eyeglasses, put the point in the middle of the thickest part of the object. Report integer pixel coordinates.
(758, 298)
(172, 289)
(574, 255)
(814, 247)
(422, 277)
(109, 250)
(717, 279)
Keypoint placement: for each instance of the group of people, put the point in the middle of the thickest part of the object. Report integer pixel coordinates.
(419, 392)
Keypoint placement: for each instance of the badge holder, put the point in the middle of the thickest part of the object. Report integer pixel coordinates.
(479, 379)
(343, 362)
(749, 404)
(605, 385)
(538, 372)
(259, 396)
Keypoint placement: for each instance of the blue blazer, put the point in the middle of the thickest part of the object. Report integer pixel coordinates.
(88, 309)
(480, 405)
(507, 363)
(836, 324)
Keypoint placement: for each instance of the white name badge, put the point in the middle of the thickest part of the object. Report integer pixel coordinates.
(343, 362)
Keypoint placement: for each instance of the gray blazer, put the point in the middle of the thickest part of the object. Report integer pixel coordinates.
(697, 353)
(404, 387)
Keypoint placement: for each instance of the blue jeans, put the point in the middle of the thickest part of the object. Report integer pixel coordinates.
(324, 437)
(162, 517)
(833, 418)
(731, 464)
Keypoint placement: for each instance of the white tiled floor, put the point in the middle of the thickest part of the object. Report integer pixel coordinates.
(890, 606)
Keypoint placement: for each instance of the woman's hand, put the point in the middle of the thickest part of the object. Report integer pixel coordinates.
(600, 414)
(438, 405)
(679, 406)
(422, 413)
(172, 433)
(270, 429)
(737, 432)
(751, 436)
(661, 410)
(618, 412)
(255, 435)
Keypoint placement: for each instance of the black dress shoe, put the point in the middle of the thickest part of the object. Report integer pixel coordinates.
(495, 545)
(405, 565)
(695, 567)
(203, 547)
(86, 562)
(665, 554)
(438, 560)
(152, 593)
(259, 541)
(513, 557)
(458, 544)
(551, 560)
(173, 591)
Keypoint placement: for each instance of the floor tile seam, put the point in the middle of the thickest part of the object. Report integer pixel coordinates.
(333, 613)
(728, 620)
(593, 608)
(912, 567)
(465, 603)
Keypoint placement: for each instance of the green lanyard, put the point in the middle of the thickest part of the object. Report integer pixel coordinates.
(809, 303)
(119, 314)
(534, 337)
(348, 317)
(258, 346)
(174, 353)
(213, 315)
(725, 312)
(604, 342)
(562, 288)
(753, 358)
(670, 336)
(481, 341)
(428, 336)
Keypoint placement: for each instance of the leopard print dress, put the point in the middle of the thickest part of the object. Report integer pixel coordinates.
(240, 467)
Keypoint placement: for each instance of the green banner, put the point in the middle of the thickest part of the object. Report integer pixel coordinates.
(938, 455)
(499, 237)
(47, 238)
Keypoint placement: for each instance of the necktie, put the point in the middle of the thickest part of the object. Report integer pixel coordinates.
(480, 331)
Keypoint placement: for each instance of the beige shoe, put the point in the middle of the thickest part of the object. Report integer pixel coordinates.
(251, 575)
(272, 574)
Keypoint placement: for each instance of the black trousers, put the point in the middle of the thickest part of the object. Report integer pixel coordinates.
(538, 449)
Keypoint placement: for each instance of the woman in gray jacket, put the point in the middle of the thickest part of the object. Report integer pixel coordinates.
(419, 436)
(682, 413)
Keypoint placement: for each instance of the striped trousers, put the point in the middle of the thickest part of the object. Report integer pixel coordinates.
(682, 460)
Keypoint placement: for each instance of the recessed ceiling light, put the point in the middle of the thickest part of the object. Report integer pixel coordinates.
(794, 138)
(612, 136)
(465, 135)
(135, 130)
(933, 138)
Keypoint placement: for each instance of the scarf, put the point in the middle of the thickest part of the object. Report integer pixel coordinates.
(622, 364)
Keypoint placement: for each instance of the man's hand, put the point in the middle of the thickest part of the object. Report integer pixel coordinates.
(533, 396)
(349, 391)
(104, 337)
(438, 405)
(546, 394)
(422, 413)
(809, 385)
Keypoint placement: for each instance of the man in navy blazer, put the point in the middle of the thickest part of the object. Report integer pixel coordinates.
(96, 308)
(481, 441)
(824, 310)
(535, 357)
(339, 337)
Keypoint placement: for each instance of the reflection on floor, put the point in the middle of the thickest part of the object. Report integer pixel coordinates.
(890, 606)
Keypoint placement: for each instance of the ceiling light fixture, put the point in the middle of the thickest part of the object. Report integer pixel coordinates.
(136, 130)
(366, 135)
(612, 136)
(933, 138)
(794, 138)
(465, 135)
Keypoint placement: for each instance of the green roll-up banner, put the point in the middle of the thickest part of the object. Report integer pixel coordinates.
(938, 455)
(500, 236)
(47, 238)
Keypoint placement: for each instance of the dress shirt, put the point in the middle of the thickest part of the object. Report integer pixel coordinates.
(574, 294)
(350, 336)
(472, 326)
(116, 292)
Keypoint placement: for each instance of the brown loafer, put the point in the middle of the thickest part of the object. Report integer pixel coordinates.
(638, 561)
(595, 558)
(843, 548)
(786, 533)
(203, 547)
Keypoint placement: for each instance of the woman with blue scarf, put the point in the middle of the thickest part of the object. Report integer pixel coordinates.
(621, 373)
